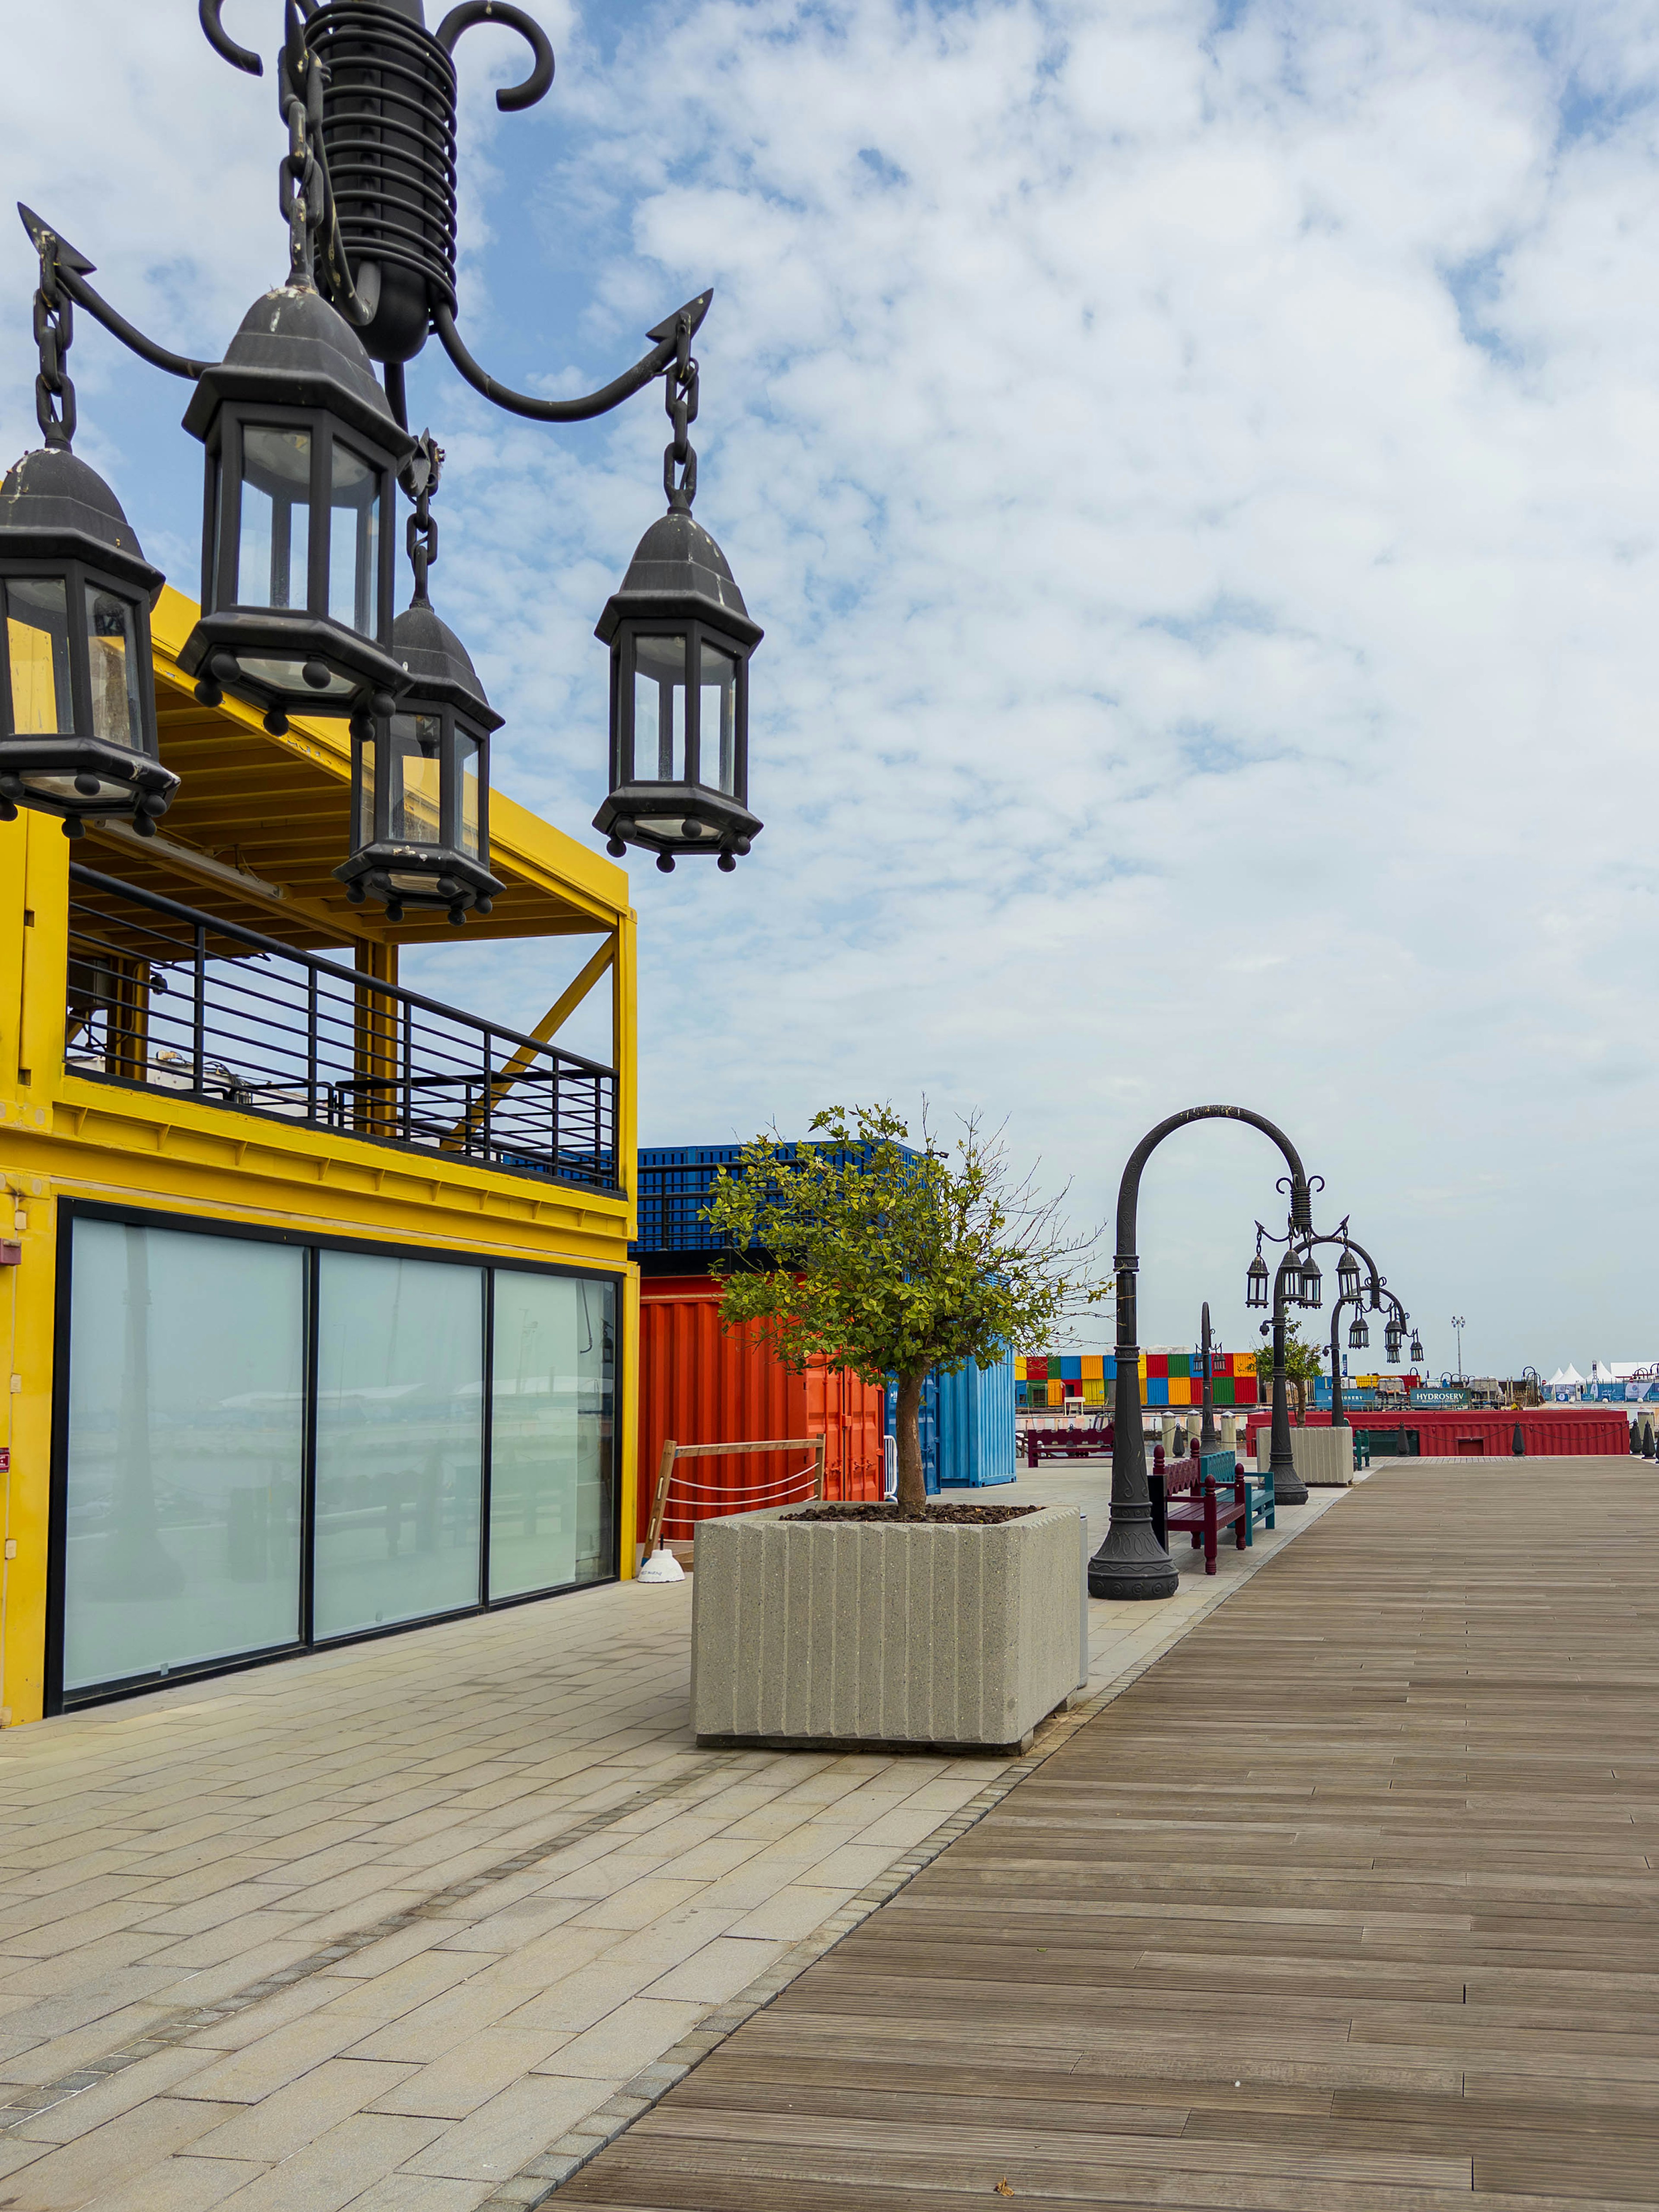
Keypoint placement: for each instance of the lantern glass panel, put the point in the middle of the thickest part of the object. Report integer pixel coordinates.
(274, 551)
(659, 709)
(353, 540)
(116, 716)
(717, 725)
(416, 816)
(467, 750)
(367, 750)
(37, 654)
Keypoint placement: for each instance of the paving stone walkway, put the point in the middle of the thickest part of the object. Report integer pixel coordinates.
(417, 1925)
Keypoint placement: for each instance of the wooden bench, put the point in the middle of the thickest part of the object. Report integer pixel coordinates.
(1067, 1443)
(1205, 1507)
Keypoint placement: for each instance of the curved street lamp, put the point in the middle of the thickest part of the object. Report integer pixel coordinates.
(303, 447)
(1354, 1293)
(1131, 1562)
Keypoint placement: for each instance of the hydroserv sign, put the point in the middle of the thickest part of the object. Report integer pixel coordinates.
(1449, 1400)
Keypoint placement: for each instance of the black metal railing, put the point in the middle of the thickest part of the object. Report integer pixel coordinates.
(162, 996)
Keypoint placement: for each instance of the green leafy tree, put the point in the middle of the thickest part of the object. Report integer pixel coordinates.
(1304, 1364)
(888, 1260)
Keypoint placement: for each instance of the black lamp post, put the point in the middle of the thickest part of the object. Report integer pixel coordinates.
(1209, 1436)
(78, 696)
(1297, 1281)
(304, 447)
(1132, 1562)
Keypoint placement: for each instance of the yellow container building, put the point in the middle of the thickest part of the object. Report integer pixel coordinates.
(320, 1317)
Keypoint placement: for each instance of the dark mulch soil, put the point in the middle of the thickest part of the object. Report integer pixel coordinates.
(953, 1516)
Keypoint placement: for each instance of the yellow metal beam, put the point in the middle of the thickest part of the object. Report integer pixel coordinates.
(550, 1023)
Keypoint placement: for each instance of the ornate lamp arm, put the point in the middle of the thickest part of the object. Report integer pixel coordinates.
(511, 97)
(73, 269)
(668, 337)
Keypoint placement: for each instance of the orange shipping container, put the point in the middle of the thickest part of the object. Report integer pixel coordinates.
(700, 1386)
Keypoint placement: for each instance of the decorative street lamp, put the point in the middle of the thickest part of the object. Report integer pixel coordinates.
(78, 696)
(1352, 1292)
(303, 448)
(420, 775)
(1132, 1562)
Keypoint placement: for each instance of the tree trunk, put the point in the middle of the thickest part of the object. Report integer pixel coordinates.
(912, 1483)
(1301, 1390)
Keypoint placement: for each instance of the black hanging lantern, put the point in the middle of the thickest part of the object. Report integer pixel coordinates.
(1255, 1280)
(302, 454)
(1394, 1343)
(1347, 1274)
(1358, 1335)
(77, 694)
(1416, 1349)
(420, 782)
(419, 777)
(680, 638)
(1313, 1289)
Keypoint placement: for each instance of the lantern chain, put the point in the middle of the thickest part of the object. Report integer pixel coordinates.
(54, 333)
(300, 193)
(679, 460)
(420, 480)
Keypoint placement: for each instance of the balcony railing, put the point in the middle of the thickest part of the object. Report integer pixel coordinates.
(163, 997)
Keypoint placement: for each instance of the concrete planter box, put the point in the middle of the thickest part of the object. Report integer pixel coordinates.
(808, 1633)
(1324, 1457)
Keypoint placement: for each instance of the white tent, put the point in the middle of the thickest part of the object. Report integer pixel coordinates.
(1566, 1378)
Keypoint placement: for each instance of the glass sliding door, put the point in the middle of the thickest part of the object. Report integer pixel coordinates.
(244, 1471)
(552, 1390)
(185, 1450)
(400, 1441)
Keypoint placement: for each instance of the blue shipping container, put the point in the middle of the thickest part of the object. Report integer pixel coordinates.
(926, 1424)
(674, 1182)
(976, 1426)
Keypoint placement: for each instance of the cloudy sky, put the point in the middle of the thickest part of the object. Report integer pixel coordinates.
(1197, 468)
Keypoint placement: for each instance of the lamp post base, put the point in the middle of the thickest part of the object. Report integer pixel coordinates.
(1289, 1488)
(1133, 1563)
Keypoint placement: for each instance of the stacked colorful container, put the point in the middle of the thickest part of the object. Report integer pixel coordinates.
(1167, 1378)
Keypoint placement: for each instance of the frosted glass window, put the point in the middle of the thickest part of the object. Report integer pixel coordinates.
(416, 780)
(717, 720)
(37, 649)
(185, 1451)
(273, 554)
(400, 1441)
(353, 540)
(551, 1516)
(467, 761)
(659, 709)
(114, 664)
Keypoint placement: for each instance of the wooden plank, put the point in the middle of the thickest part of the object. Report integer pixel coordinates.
(1377, 1931)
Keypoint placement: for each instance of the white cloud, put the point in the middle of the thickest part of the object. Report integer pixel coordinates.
(1197, 475)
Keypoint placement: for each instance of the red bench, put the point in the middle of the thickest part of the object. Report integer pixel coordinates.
(1067, 1443)
(1196, 1503)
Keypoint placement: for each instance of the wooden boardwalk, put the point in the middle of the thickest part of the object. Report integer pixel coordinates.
(1348, 1905)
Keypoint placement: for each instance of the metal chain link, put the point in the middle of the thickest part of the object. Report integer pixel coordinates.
(54, 333)
(300, 195)
(680, 404)
(420, 480)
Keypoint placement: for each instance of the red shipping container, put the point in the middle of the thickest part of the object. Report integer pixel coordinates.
(701, 1385)
(1470, 1435)
(1036, 1367)
(1158, 1363)
(1244, 1390)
